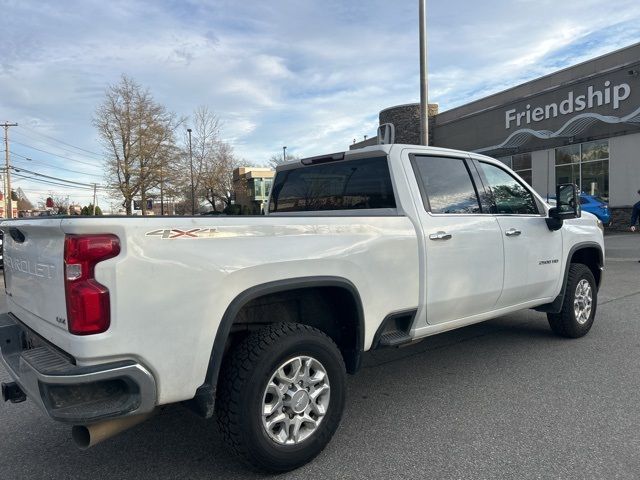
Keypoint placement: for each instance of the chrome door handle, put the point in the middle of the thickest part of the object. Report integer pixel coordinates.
(440, 236)
(512, 232)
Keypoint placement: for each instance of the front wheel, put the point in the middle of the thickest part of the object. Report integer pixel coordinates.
(281, 396)
(579, 306)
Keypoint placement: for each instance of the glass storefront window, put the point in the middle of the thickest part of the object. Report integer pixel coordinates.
(598, 150)
(526, 176)
(568, 154)
(568, 174)
(521, 162)
(595, 178)
(586, 165)
(505, 160)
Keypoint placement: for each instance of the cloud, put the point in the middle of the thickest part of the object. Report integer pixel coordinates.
(309, 75)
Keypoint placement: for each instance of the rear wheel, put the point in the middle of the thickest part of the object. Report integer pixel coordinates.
(579, 306)
(281, 396)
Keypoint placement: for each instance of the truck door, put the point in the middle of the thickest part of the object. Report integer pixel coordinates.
(532, 252)
(463, 243)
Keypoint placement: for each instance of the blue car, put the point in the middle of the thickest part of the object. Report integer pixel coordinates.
(597, 206)
(592, 204)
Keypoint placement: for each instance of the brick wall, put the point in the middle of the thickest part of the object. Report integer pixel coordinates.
(620, 218)
(406, 119)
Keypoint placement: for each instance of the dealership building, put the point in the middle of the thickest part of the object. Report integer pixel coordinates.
(580, 124)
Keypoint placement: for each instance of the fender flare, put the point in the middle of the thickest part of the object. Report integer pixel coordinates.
(203, 402)
(556, 305)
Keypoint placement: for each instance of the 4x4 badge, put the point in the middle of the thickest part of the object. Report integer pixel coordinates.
(173, 233)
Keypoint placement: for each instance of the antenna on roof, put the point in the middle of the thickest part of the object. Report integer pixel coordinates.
(386, 134)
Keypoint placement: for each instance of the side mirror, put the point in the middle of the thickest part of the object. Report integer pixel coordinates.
(568, 201)
(567, 205)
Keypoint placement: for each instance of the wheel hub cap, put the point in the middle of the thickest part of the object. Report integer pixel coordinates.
(582, 302)
(298, 402)
(295, 400)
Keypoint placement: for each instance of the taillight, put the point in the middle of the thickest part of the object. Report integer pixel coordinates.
(88, 309)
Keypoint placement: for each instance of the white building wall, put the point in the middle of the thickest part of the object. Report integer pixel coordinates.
(543, 172)
(624, 170)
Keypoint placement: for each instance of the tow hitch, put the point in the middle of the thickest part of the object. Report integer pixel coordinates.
(11, 392)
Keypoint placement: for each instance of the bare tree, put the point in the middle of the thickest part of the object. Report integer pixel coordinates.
(205, 142)
(205, 137)
(60, 204)
(218, 177)
(156, 146)
(138, 134)
(23, 201)
(171, 179)
(276, 159)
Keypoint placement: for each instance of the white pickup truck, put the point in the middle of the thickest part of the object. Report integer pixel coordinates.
(258, 319)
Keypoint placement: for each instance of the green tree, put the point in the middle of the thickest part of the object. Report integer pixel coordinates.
(88, 210)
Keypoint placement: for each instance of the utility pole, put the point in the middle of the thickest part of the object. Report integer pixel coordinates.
(193, 192)
(424, 98)
(284, 154)
(6, 125)
(95, 186)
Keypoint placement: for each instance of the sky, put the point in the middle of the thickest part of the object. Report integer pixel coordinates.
(311, 75)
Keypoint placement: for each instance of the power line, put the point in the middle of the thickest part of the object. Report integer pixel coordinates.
(40, 141)
(49, 182)
(61, 141)
(57, 155)
(44, 180)
(46, 191)
(40, 162)
(50, 177)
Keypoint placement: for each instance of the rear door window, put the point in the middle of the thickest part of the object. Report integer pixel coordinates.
(446, 185)
(360, 184)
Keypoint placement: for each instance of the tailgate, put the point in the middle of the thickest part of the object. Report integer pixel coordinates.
(33, 268)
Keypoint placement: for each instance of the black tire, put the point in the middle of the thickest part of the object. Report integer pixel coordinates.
(565, 323)
(244, 376)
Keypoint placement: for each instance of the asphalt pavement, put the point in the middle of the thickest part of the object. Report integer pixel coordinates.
(502, 399)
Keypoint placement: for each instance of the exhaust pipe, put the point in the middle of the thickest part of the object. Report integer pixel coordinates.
(87, 436)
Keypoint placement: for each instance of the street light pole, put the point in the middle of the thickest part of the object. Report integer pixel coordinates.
(424, 102)
(284, 154)
(161, 191)
(193, 193)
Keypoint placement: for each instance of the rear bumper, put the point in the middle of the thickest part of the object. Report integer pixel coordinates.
(67, 392)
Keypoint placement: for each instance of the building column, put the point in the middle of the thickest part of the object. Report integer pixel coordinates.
(543, 172)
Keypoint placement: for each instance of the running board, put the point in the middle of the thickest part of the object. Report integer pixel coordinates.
(394, 338)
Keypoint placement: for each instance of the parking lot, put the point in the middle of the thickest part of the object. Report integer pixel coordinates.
(503, 399)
